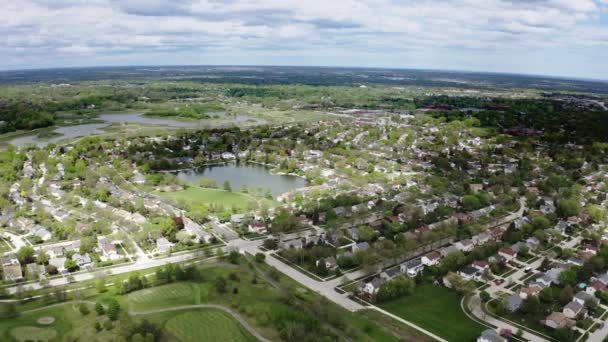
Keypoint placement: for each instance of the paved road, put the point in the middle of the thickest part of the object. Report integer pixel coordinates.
(205, 306)
(475, 302)
(141, 264)
(474, 305)
(223, 231)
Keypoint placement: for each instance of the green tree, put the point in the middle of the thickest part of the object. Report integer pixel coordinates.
(42, 258)
(70, 265)
(569, 276)
(84, 309)
(25, 255)
(99, 309)
(568, 207)
(113, 309)
(396, 288)
(227, 186)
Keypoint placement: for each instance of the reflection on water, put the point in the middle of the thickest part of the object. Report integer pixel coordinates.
(239, 174)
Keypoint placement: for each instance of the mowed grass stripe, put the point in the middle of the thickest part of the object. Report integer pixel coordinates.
(162, 296)
(206, 325)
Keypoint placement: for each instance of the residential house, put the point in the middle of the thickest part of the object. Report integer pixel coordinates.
(353, 233)
(361, 246)
(507, 253)
(603, 279)
(390, 273)
(59, 264)
(596, 286)
(195, 229)
(475, 188)
(107, 248)
(12, 273)
(42, 233)
(558, 320)
(431, 258)
(295, 244)
(257, 226)
(575, 261)
(532, 290)
(481, 265)
(163, 245)
(237, 219)
(330, 263)
(34, 271)
(465, 245)
(514, 302)
(373, 286)
(554, 273)
(574, 309)
(448, 250)
(582, 297)
(82, 260)
(533, 243)
(481, 238)
(412, 267)
(490, 335)
(469, 273)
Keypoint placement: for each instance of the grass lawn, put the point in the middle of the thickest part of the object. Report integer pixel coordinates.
(438, 310)
(228, 199)
(261, 305)
(69, 325)
(162, 296)
(217, 326)
(4, 246)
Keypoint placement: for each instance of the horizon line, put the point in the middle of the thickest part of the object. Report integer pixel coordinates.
(464, 71)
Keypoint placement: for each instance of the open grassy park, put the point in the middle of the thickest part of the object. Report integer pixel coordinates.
(216, 197)
(435, 308)
(286, 312)
(218, 327)
(68, 324)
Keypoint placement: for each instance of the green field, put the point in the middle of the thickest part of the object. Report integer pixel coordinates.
(206, 325)
(267, 309)
(438, 310)
(161, 297)
(228, 199)
(4, 246)
(69, 325)
(29, 333)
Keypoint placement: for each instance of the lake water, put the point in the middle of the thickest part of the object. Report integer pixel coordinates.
(67, 132)
(139, 118)
(239, 174)
(76, 131)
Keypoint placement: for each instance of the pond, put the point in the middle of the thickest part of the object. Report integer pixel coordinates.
(248, 174)
(139, 118)
(76, 131)
(58, 134)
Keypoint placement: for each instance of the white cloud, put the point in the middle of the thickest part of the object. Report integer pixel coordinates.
(49, 30)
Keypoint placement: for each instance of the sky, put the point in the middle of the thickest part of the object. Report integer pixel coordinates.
(542, 37)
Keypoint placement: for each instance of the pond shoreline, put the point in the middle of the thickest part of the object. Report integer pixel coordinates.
(242, 174)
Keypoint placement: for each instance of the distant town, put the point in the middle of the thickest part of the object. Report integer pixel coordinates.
(368, 212)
